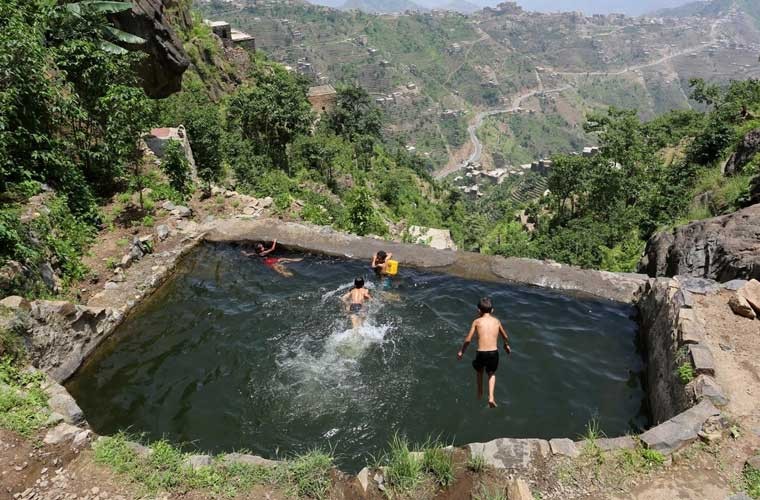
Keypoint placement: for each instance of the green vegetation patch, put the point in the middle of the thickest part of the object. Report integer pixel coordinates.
(163, 467)
(23, 402)
(751, 480)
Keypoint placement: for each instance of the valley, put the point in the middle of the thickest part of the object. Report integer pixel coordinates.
(439, 76)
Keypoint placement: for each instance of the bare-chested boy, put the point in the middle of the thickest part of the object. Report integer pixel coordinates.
(355, 301)
(488, 328)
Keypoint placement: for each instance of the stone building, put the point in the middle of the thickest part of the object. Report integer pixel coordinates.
(323, 98)
(231, 37)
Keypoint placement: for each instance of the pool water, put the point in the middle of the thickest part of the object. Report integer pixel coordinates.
(231, 356)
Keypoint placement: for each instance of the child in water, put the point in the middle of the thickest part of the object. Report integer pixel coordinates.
(380, 262)
(380, 266)
(355, 300)
(488, 328)
(274, 263)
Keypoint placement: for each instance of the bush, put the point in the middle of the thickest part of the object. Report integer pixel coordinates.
(404, 470)
(439, 463)
(686, 372)
(177, 168)
(362, 217)
(23, 403)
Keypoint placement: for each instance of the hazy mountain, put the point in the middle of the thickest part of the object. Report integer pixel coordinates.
(463, 6)
(630, 7)
(381, 6)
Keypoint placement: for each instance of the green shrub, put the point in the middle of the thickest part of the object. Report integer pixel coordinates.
(751, 479)
(310, 473)
(404, 470)
(177, 168)
(439, 463)
(362, 216)
(476, 463)
(23, 403)
(686, 372)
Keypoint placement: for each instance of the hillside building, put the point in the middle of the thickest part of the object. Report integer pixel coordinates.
(323, 98)
(231, 37)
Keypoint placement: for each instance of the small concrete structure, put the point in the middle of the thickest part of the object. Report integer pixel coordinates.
(221, 29)
(243, 40)
(323, 98)
(231, 37)
(159, 138)
(434, 238)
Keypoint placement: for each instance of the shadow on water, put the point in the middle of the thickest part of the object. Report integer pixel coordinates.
(230, 355)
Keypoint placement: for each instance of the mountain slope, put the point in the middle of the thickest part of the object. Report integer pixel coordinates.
(382, 6)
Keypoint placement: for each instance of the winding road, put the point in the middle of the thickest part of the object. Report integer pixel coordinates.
(472, 130)
(477, 146)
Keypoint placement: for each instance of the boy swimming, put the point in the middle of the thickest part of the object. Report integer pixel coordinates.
(274, 263)
(355, 300)
(488, 328)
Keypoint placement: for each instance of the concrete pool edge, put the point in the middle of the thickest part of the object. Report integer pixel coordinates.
(671, 327)
(618, 287)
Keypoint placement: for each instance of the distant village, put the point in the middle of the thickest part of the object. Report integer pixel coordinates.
(475, 174)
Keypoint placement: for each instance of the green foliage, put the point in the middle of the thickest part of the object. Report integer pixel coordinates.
(165, 469)
(270, 112)
(508, 239)
(310, 473)
(439, 463)
(53, 236)
(751, 480)
(476, 463)
(404, 470)
(362, 216)
(23, 403)
(202, 120)
(686, 372)
(355, 114)
(177, 168)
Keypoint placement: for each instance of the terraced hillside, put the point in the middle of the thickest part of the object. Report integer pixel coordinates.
(427, 67)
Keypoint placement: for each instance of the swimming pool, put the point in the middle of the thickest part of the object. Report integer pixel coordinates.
(229, 355)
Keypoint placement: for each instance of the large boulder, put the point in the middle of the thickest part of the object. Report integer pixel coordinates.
(745, 152)
(722, 248)
(655, 259)
(161, 72)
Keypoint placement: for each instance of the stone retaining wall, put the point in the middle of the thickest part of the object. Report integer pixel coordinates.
(671, 329)
(673, 335)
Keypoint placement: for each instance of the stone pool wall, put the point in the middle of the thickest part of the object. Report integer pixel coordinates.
(63, 335)
(619, 287)
(673, 337)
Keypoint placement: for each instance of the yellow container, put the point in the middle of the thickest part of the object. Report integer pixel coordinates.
(391, 268)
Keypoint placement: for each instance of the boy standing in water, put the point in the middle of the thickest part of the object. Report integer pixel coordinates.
(355, 301)
(488, 328)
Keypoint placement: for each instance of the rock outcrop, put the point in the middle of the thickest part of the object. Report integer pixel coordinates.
(745, 152)
(722, 248)
(59, 336)
(161, 72)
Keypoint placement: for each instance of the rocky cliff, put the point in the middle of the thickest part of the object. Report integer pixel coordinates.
(161, 72)
(722, 248)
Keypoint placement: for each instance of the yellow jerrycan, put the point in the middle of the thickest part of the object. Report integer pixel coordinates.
(391, 269)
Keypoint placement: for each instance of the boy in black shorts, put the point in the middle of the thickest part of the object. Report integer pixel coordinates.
(488, 328)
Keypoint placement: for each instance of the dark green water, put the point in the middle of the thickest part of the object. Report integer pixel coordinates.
(230, 356)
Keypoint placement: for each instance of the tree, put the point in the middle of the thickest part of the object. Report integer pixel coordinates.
(508, 238)
(362, 217)
(271, 112)
(177, 168)
(355, 114)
